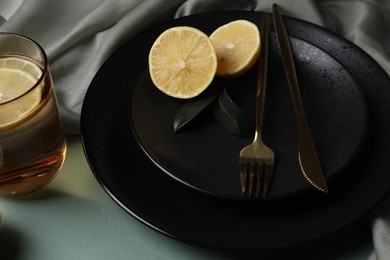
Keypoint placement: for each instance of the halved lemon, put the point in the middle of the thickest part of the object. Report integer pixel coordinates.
(182, 62)
(17, 76)
(237, 44)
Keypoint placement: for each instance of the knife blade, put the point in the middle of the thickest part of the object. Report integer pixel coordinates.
(307, 155)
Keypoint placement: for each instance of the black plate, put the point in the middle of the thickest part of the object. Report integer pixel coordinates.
(162, 203)
(205, 156)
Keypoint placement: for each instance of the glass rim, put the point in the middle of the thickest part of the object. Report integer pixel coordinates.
(44, 65)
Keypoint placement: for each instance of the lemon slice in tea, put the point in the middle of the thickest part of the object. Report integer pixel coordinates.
(182, 62)
(237, 44)
(17, 76)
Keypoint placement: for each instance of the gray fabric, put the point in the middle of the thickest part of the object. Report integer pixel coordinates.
(79, 36)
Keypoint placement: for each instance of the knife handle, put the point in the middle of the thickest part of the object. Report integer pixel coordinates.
(289, 66)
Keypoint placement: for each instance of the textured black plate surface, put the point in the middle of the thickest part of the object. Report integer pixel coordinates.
(144, 191)
(205, 156)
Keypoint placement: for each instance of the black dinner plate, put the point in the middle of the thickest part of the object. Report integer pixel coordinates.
(140, 187)
(204, 156)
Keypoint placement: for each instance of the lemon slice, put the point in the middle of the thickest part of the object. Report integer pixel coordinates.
(182, 62)
(17, 76)
(237, 45)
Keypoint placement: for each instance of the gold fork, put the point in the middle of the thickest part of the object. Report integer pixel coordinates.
(257, 160)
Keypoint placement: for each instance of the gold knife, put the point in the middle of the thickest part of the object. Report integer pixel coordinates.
(307, 155)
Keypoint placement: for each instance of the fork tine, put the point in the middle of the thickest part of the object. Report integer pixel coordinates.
(252, 173)
(243, 175)
(268, 169)
(260, 178)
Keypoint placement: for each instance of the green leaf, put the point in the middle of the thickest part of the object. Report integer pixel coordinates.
(193, 107)
(232, 117)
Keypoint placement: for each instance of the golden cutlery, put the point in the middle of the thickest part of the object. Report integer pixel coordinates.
(257, 160)
(307, 155)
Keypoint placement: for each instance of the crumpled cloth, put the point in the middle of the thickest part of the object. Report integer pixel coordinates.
(79, 36)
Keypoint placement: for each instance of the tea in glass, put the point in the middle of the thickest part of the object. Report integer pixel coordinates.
(32, 139)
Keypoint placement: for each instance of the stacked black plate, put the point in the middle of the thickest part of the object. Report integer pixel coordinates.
(186, 185)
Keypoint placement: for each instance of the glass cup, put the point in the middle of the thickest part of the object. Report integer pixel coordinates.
(32, 140)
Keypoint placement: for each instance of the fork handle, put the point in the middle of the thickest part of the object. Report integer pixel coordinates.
(262, 77)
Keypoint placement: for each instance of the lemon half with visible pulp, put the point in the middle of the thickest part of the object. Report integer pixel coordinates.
(237, 45)
(182, 62)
